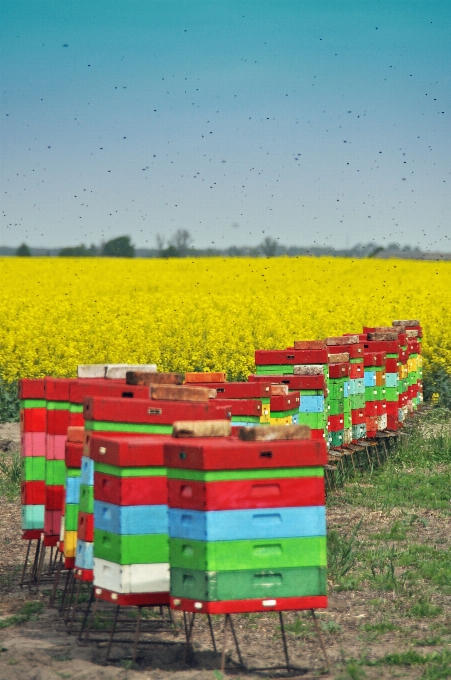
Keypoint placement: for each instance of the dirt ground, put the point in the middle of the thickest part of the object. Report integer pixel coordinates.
(42, 649)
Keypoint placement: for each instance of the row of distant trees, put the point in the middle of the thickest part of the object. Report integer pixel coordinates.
(180, 245)
(117, 247)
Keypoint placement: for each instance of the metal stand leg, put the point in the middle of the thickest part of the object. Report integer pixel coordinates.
(211, 632)
(35, 564)
(112, 633)
(65, 591)
(24, 571)
(232, 627)
(135, 646)
(93, 616)
(285, 648)
(224, 640)
(188, 631)
(74, 607)
(56, 581)
(69, 600)
(321, 641)
(85, 618)
(50, 560)
(40, 567)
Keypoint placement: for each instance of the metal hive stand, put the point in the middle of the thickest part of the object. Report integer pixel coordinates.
(189, 626)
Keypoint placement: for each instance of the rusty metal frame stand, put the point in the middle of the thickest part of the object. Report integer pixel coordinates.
(167, 624)
(189, 625)
(189, 631)
(25, 564)
(56, 580)
(29, 581)
(110, 642)
(320, 637)
(86, 614)
(62, 607)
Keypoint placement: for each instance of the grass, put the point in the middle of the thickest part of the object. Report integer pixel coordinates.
(399, 554)
(10, 474)
(28, 612)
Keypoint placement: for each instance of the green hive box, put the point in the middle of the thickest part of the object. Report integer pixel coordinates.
(71, 517)
(279, 369)
(33, 468)
(276, 553)
(248, 584)
(336, 407)
(55, 473)
(86, 499)
(131, 548)
(136, 428)
(316, 421)
(233, 475)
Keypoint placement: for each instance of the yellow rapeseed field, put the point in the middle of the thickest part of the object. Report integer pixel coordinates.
(204, 314)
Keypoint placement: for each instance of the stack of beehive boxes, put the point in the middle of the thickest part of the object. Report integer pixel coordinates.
(249, 402)
(414, 363)
(392, 340)
(246, 524)
(284, 406)
(32, 450)
(351, 346)
(312, 389)
(68, 535)
(130, 519)
(129, 418)
(58, 420)
(338, 372)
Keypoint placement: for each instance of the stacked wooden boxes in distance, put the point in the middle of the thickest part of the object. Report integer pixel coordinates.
(249, 402)
(389, 336)
(284, 406)
(414, 378)
(131, 560)
(32, 450)
(375, 401)
(339, 402)
(312, 390)
(246, 524)
(307, 358)
(353, 386)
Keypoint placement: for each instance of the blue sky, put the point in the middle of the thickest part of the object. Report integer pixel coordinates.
(307, 121)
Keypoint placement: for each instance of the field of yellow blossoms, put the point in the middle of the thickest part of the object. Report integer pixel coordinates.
(205, 314)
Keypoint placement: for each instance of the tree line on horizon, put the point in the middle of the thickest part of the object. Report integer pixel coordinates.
(181, 245)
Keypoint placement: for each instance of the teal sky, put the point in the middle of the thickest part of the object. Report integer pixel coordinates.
(307, 121)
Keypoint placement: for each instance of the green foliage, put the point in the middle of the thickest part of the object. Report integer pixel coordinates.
(381, 627)
(437, 380)
(23, 251)
(423, 608)
(352, 671)
(78, 251)
(10, 474)
(119, 247)
(341, 552)
(9, 402)
(170, 251)
(28, 612)
(383, 571)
